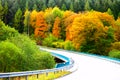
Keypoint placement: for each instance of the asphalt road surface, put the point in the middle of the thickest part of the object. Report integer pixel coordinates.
(90, 67)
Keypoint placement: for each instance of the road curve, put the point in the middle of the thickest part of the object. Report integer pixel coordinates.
(89, 67)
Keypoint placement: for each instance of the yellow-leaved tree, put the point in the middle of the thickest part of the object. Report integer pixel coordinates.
(33, 17)
(117, 29)
(89, 33)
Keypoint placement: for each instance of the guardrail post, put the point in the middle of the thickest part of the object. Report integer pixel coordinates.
(46, 73)
(26, 78)
(37, 76)
(8, 78)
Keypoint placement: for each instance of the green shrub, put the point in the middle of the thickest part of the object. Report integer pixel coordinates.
(49, 40)
(114, 53)
(6, 32)
(44, 60)
(25, 43)
(34, 57)
(115, 45)
(68, 45)
(58, 44)
(11, 57)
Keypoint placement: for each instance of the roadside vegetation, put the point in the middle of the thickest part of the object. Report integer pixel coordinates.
(19, 53)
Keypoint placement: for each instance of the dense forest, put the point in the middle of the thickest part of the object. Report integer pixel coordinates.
(9, 8)
(91, 26)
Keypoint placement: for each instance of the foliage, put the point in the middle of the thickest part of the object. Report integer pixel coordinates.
(68, 20)
(1, 10)
(109, 11)
(87, 6)
(117, 29)
(18, 21)
(68, 45)
(64, 7)
(115, 54)
(56, 28)
(12, 58)
(58, 44)
(48, 41)
(44, 60)
(33, 54)
(19, 51)
(89, 34)
(77, 6)
(49, 18)
(6, 32)
(115, 45)
(57, 12)
(27, 22)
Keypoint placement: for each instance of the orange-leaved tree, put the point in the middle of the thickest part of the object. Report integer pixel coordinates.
(68, 20)
(41, 27)
(56, 28)
(90, 34)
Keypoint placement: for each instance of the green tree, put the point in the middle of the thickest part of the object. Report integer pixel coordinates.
(78, 5)
(1, 10)
(11, 57)
(87, 6)
(5, 12)
(64, 7)
(18, 20)
(71, 7)
(109, 11)
(115, 53)
(44, 7)
(27, 22)
(35, 7)
(119, 14)
(35, 59)
(51, 3)
(6, 31)
(26, 6)
(57, 12)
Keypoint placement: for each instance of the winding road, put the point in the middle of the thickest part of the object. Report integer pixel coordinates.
(90, 67)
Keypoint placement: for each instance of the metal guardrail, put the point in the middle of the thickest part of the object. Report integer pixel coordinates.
(64, 58)
(36, 72)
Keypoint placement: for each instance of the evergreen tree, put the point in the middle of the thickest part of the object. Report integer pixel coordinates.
(64, 7)
(97, 5)
(1, 10)
(77, 5)
(44, 7)
(71, 7)
(51, 3)
(59, 2)
(27, 22)
(35, 7)
(5, 12)
(87, 6)
(18, 20)
(109, 11)
(119, 14)
(26, 6)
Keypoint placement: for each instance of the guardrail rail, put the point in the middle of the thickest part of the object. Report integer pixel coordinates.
(26, 74)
